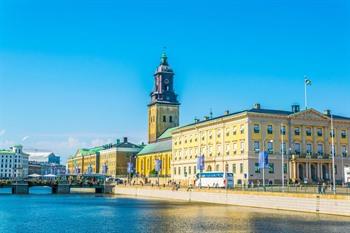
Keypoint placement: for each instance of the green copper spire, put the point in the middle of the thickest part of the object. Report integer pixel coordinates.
(164, 58)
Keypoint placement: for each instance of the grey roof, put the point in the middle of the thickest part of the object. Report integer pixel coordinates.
(157, 147)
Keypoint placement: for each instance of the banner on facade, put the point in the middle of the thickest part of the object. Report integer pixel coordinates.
(263, 160)
(158, 165)
(130, 167)
(200, 162)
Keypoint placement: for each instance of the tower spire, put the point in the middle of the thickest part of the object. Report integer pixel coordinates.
(164, 57)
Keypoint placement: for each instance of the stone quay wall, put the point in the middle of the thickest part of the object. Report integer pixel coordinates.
(312, 203)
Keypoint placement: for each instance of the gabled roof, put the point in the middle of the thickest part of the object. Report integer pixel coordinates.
(167, 133)
(157, 147)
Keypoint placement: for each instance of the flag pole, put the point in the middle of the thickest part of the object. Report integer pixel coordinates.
(333, 154)
(282, 132)
(305, 91)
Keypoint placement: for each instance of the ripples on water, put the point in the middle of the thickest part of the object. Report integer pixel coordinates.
(92, 213)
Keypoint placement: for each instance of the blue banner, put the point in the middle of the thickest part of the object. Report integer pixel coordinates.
(130, 167)
(104, 169)
(263, 159)
(200, 162)
(158, 165)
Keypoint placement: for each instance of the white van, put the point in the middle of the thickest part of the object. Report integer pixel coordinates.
(214, 180)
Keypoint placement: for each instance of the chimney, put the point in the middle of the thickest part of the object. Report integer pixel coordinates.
(118, 141)
(125, 140)
(227, 112)
(257, 106)
(206, 118)
(327, 112)
(196, 120)
(295, 108)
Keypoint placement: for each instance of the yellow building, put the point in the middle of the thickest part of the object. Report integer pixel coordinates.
(161, 150)
(114, 160)
(110, 159)
(233, 142)
(163, 118)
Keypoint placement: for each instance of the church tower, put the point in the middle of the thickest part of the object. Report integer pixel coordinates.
(163, 111)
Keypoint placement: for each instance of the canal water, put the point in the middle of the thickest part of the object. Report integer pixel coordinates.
(46, 213)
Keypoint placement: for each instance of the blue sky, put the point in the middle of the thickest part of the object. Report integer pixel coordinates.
(79, 73)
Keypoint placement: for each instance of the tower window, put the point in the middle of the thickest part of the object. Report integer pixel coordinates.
(170, 119)
(164, 118)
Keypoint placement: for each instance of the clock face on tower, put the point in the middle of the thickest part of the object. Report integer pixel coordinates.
(166, 81)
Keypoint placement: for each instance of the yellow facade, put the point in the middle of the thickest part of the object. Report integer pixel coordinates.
(233, 141)
(116, 161)
(160, 118)
(91, 161)
(145, 164)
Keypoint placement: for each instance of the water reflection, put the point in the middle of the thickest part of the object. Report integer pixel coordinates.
(97, 213)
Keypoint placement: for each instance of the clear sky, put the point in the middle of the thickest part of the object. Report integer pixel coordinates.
(79, 73)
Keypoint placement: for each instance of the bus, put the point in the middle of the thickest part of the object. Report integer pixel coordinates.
(214, 180)
(347, 175)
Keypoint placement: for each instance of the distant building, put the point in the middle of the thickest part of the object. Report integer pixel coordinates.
(13, 163)
(42, 156)
(43, 168)
(110, 159)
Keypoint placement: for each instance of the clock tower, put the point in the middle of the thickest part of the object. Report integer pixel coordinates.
(163, 111)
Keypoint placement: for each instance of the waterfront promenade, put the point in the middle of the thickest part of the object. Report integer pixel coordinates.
(303, 202)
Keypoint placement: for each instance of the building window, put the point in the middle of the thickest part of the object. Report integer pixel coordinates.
(234, 168)
(234, 131)
(189, 170)
(194, 170)
(256, 128)
(343, 134)
(257, 168)
(241, 168)
(271, 168)
(319, 132)
(164, 118)
(269, 129)
(285, 168)
(242, 129)
(320, 149)
(179, 170)
(332, 133)
(308, 132)
(283, 130)
(217, 167)
(270, 147)
(297, 148)
(242, 147)
(256, 146)
(344, 151)
(171, 119)
(297, 131)
(283, 148)
(308, 149)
